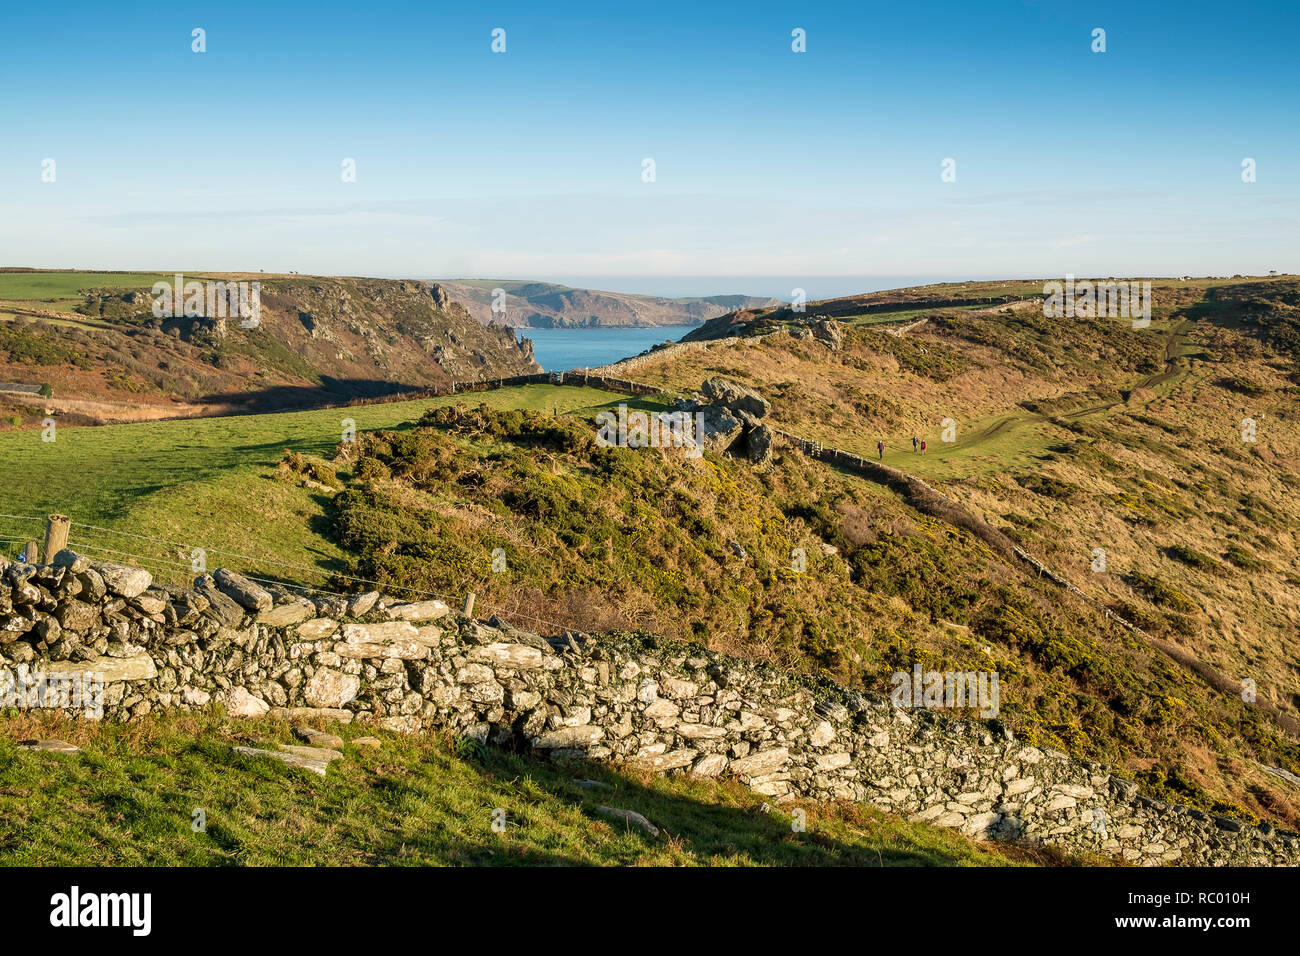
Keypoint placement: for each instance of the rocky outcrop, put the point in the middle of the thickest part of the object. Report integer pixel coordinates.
(729, 418)
(719, 428)
(631, 699)
(758, 444)
(829, 332)
(734, 396)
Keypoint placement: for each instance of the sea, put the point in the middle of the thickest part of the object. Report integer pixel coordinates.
(560, 350)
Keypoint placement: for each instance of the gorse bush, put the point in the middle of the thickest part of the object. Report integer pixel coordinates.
(1193, 558)
(295, 465)
(37, 346)
(1241, 558)
(1160, 593)
(520, 427)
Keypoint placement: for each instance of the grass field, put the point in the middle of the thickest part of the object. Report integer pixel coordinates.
(902, 315)
(45, 286)
(129, 798)
(207, 482)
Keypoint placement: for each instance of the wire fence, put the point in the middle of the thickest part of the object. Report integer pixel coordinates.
(187, 561)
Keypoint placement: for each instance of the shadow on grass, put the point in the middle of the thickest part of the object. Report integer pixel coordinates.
(331, 392)
(131, 796)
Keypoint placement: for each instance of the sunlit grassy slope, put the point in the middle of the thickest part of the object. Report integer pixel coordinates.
(207, 482)
(1155, 467)
(130, 798)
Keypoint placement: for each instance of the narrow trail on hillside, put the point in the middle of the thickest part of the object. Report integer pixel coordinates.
(898, 331)
(929, 500)
(1174, 350)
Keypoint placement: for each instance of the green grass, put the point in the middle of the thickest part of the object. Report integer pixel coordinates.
(902, 315)
(1007, 441)
(208, 481)
(1001, 444)
(67, 285)
(129, 799)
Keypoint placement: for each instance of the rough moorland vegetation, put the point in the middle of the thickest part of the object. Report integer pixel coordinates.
(1155, 467)
(1117, 455)
(596, 538)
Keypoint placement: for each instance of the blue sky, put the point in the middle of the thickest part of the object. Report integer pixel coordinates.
(768, 163)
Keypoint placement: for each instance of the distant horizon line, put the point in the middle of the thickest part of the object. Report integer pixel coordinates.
(815, 287)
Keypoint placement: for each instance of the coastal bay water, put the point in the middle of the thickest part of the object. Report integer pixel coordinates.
(559, 350)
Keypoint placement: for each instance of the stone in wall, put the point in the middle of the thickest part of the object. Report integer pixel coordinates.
(632, 699)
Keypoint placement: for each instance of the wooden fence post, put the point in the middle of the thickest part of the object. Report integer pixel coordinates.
(56, 535)
(31, 553)
(469, 604)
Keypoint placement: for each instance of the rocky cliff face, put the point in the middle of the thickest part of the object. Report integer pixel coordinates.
(542, 305)
(400, 331)
(335, 337)
(633, 699)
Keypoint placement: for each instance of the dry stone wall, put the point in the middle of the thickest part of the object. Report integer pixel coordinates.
(675, 350)
(576, 379)
(630, 699)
